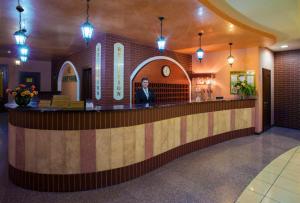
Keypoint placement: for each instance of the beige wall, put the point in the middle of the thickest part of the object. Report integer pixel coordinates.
(216, 62)
(69, 88)
(245, 59)
(44, 67)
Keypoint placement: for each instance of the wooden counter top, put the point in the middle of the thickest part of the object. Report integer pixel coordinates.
(101, 117)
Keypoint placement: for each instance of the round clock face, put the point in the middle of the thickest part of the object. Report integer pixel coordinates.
(166, 71)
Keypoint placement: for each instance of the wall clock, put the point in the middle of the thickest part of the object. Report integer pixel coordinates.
(166, 71)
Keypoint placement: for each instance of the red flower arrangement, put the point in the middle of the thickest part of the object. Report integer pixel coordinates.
(23, 94)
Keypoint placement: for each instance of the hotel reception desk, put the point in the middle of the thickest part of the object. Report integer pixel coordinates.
(72, 150)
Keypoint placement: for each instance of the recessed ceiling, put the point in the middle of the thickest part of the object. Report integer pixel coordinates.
(54, 26)
(279, 17)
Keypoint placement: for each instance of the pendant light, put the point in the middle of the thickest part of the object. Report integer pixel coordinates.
(200, 52)
(23, 58)
(20, 35)
(230, 58)
(161, 41)
(87, 28)
(23, 52)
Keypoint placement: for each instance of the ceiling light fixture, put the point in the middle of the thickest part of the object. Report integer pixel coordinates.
(200, 52)
(23, 52)
(17, 62)
(87, 28)
(230, 58)
(20, 35)
(284, 46)
(161, 41)
(200, 11)
(23, 58)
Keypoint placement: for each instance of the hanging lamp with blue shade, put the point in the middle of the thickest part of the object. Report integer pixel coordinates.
(87, 28)
(161, 41)
(23, 50)
(23, 58)
(20, 35)
(200, 51)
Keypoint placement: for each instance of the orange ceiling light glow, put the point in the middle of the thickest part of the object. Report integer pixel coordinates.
(185, 19)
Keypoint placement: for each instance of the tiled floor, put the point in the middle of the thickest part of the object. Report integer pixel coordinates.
(277, 182)
(215, 174)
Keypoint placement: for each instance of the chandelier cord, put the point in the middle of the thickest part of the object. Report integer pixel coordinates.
(87, 10)
(20, 16)
(200, 40)
(160, 28)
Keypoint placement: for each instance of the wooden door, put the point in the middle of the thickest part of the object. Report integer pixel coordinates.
(87, 84)
(266, 99)
(3, 85)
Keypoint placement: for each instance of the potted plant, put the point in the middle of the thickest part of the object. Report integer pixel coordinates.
(23, 94)
(244, 89)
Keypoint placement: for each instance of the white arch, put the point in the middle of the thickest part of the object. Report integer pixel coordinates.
(141, 65)
(60, 76)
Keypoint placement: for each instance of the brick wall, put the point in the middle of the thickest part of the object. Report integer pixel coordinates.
(287, 89)
(134, 55)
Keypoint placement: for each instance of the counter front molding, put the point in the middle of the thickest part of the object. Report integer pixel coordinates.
(61, 151)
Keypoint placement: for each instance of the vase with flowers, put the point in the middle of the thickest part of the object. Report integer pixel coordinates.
(23, 94)
(244, 90)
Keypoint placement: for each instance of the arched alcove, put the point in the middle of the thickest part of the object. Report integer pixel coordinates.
(152, 67)
(69, 70)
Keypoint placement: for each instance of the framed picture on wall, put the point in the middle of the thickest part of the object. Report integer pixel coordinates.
(236, 76)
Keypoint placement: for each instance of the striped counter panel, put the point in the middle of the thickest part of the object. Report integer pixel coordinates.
(74, 160)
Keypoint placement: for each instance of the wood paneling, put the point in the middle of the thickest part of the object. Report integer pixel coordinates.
(87, 181)
(166, 93)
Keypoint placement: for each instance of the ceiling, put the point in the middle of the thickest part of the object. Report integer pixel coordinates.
(278, 17)
(54, 26)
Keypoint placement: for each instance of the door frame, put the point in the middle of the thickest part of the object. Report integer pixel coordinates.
(263, 101)
(4, 68)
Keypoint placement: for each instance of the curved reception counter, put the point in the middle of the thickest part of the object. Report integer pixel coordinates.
(72, 150)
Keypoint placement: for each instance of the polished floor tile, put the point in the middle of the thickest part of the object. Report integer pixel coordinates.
(281, 178)
(289, 185)
(268, 200)
(249, 196)
(282, 195)
(267, 177)
(217, 174)
(259, 186)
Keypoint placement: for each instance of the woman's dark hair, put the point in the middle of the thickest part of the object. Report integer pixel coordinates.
(144, 78)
